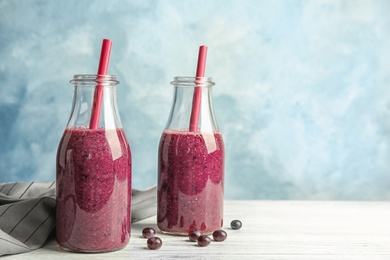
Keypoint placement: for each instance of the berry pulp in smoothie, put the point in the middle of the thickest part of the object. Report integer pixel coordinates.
(93, 190)
(190, 182)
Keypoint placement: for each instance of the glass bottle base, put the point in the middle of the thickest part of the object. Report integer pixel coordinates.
(87, 251)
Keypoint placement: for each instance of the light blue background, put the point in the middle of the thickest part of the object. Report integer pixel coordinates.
(302, 92)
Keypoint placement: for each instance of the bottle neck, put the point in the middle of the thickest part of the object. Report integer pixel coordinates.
(83, 98)
(180, 115)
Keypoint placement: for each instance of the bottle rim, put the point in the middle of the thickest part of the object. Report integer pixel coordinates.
(184, 81)
(88, 79)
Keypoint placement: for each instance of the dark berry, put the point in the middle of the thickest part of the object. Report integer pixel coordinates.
(193, 235)
(154, 243)
(236, 224)
(148, 232)
(204, 240)
(219, 235)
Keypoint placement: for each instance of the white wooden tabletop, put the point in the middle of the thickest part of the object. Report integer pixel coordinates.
(271, 230)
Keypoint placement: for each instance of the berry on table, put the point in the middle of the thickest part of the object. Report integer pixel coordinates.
(154, 243)
(204, 240)
(193, 235)
(236, 224)
(148, 232)
(219, 235)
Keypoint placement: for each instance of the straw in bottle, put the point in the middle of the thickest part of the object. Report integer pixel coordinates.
(98, 95)
(193, 127)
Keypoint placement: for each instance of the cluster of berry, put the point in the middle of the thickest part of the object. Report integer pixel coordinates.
(219, 235)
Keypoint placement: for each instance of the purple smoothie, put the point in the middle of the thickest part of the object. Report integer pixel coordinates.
(93, 190)
(190, 185)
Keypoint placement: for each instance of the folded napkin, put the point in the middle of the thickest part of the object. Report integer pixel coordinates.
(27, 213)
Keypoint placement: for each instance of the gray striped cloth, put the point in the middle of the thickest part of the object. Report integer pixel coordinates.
(27, 213)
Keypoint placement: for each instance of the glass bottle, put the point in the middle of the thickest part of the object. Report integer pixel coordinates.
(93, 171)
(190, 164)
